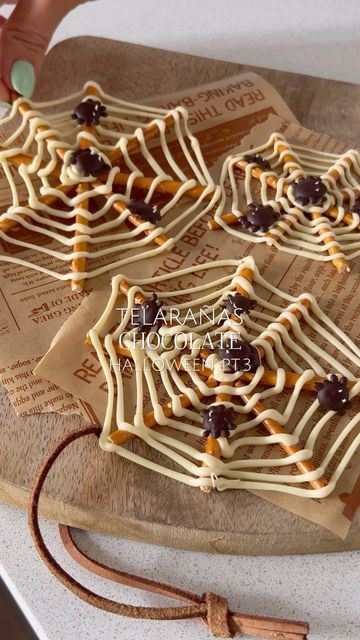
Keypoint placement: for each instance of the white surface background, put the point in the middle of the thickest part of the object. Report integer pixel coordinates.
(322, 589)
(320, 38)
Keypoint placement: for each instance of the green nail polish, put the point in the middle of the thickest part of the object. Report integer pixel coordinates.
(4, 105)
(23, 78)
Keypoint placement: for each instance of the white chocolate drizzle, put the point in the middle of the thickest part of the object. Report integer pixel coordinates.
(46, 130)
(313, 346)
(300, 230)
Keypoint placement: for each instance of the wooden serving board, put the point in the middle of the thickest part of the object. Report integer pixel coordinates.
(92, 490)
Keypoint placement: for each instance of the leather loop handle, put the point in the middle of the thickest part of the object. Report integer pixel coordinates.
(212, 609)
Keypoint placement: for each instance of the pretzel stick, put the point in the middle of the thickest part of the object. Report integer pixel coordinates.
(212, 446)
(137, 221)
(51, 199)
(289, 222)
(272, 180)
(24, 158)
(230, 218)
(24, 108)
(18, 159)
(79, 265)
(334, 173)
(133, 144)
(125, 287)
(121, 437)
(268, 378)
(133, 218)
(170, 187)
(348, 218)
(339, 263)
(273, 427)
(8, 223)
(256, 172)
(150, 132)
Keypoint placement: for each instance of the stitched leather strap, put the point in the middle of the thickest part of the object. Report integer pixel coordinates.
(211, 608)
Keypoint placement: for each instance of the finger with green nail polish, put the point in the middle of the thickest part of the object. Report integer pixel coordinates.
(23, 78)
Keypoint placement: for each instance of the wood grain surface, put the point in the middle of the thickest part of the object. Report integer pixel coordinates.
(93, 490)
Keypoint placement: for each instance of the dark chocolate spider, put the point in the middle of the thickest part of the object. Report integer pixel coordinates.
(356, 207)
(239, 355)
(147, 212)
(309, 190)
(333, 394)
(88, 162)
(238, 304)
(218, 421)
(146, 314)
(259, 161)
(259, 218)
(89, 112)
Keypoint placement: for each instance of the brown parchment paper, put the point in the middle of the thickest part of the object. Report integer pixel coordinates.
(73, 365)
(33, 306)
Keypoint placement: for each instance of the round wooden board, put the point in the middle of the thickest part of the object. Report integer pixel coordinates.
(92, 490)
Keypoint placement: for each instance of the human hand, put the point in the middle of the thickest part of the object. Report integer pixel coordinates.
(24, 38)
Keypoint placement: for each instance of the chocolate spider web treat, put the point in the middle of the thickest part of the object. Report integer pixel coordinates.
(310, 199)
(187, 393)
(97, 183)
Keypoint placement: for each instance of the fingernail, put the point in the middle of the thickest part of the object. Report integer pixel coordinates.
(4, 105)
(23, 78)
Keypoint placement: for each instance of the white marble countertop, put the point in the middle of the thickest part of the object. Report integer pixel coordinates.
(322, 589)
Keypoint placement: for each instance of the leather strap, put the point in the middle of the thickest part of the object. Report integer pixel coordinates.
(209, 607)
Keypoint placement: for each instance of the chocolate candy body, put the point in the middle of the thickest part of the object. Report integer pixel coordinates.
(145, 211)
(259, 161)
(309, 190)
(88, 162)
(259, 217)
(238, 304)
(147, 314)
(218, 421)
(333, 394)
(239, 355)
(89, 112)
